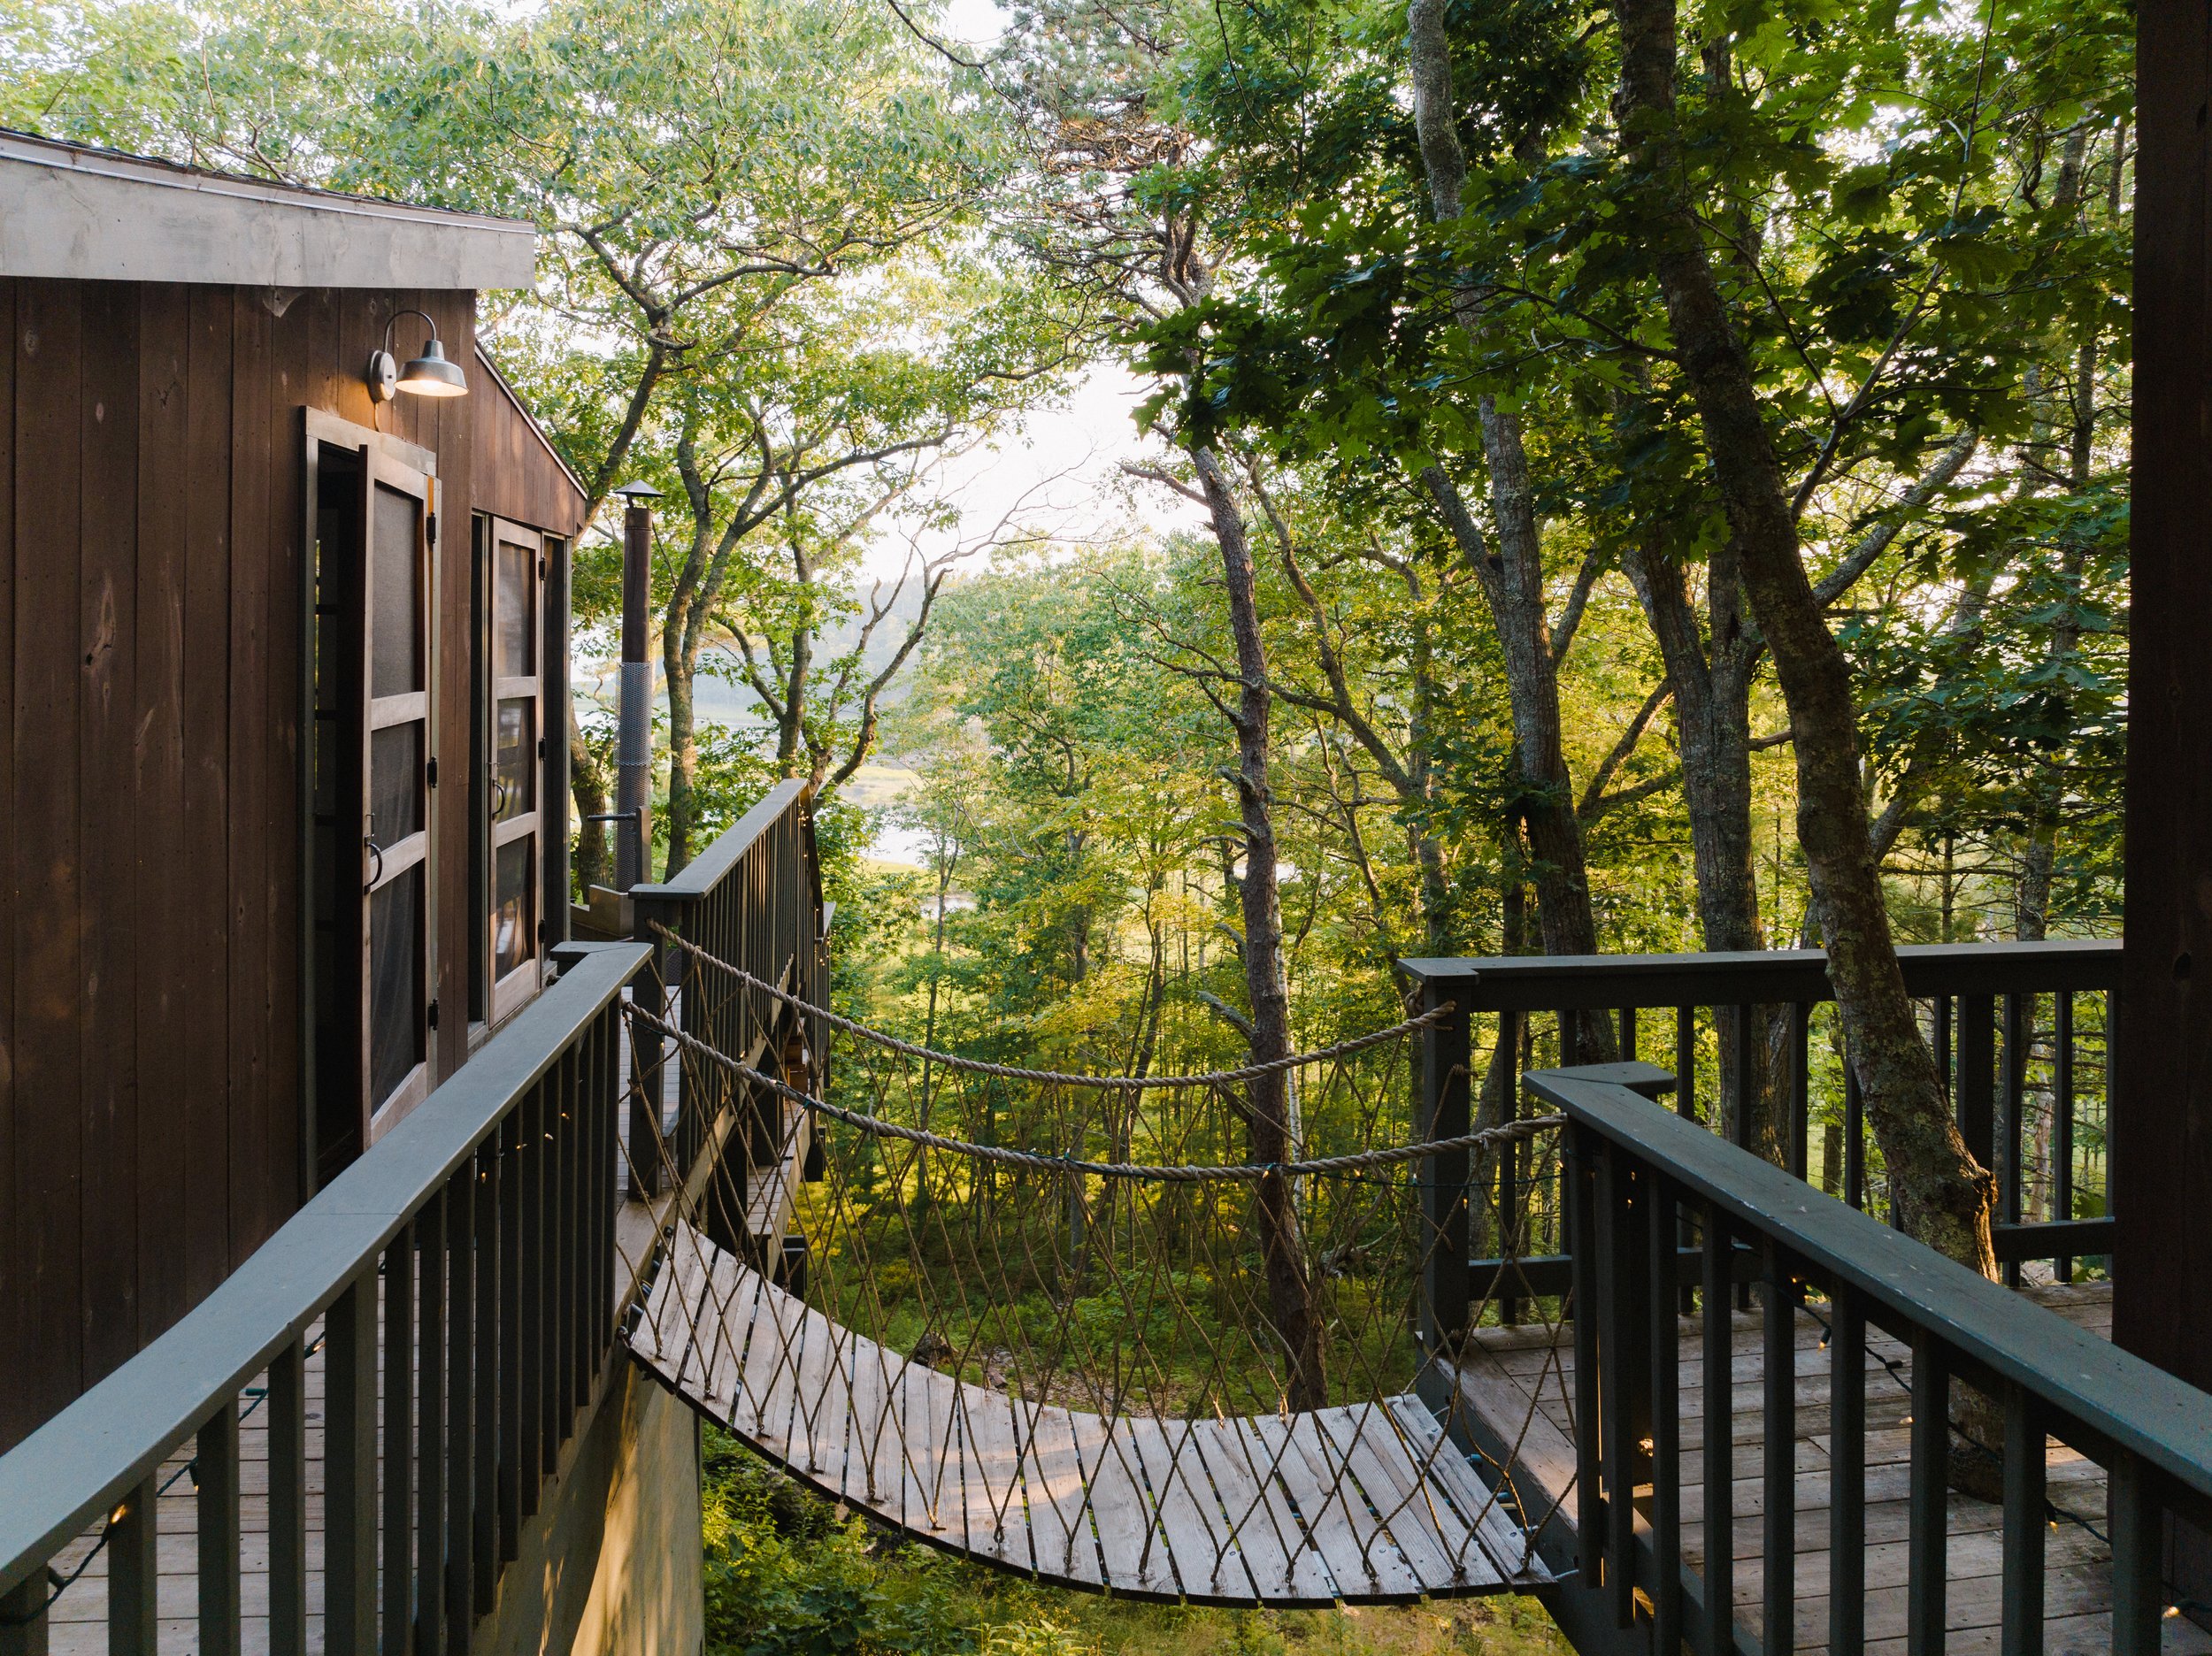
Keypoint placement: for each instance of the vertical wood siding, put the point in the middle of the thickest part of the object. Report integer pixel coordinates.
(151, 586)
(517, 475)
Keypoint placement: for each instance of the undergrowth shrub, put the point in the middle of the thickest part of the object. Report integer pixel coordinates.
(788, 1573)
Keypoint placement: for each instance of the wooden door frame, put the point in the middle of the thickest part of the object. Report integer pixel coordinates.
(321, 430)
(418, 849)
(505, 996)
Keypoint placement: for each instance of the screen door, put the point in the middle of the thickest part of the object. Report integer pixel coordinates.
(396, 749)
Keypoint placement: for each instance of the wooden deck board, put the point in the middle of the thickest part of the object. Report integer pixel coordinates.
(1520, 1380)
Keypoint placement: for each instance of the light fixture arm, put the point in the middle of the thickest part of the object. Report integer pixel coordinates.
(394, 324)
(430, 374)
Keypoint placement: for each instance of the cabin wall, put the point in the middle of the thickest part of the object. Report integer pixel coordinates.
(517, 476)
(150, 569)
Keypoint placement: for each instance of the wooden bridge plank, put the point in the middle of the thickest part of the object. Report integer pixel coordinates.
(922, 1411)
(1363, 1561)
(1287, 1568)
(1059, 1516)
(872, 1474)
(730, 1299)
(991, 1434)
(1201, 1542)
(1133, 1554)
(1367, 1442)
(1234, 1512)
(1500, 1538)
(779, 1353)
(821, 1417)
(664, 1332)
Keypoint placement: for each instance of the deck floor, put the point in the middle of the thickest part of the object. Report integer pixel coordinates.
(1513, 1371)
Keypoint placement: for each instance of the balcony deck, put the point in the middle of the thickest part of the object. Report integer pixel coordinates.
(1510, 1369)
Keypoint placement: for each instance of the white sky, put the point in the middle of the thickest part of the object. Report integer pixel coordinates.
(1060, 473)
(1063, 470)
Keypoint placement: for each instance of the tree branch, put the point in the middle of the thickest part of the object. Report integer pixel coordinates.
(1594, 798)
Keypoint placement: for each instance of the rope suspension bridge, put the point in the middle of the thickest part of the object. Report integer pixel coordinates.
(1054, 1323)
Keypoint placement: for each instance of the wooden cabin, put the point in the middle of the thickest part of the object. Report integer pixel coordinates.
(282, 836)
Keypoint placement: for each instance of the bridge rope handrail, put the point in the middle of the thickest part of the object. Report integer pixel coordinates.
(1359, 1160)
(1055, 1077)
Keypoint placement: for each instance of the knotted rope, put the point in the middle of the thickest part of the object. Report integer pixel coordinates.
(1360, 1160)
(1055, 1077)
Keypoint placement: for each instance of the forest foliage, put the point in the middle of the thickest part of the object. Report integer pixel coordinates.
(1392, 274)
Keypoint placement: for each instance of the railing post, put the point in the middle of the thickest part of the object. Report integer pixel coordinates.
(1583, 1150)
(1717, 1348)
(1508, 1207)
(350, 1445)
(1444, 1115)
(288, 1498)
(2021, 1614)
(2137, 1544)
(1663, 1266)
(133, 1574)
(1777, 1435)
(1977, 1102)
(646, 1057)
(23, 1618)
(1928, 1545)
(1624, 1366)
(216, 1472)
(2062, 1125)
(2019, 1030)
(1801, 1124)
(1847, 1467)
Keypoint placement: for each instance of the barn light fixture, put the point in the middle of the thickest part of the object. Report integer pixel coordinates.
(430, 374)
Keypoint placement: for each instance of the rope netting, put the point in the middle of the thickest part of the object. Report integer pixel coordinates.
(1073, 1323)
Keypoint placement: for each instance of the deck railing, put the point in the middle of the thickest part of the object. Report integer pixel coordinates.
(2022, 1033)
(1636, 1173)
(479, 1236)
(752, 898)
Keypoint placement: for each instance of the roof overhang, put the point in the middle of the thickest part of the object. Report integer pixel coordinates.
(70, 211)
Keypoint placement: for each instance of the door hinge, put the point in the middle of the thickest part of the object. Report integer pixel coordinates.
(540, 747)
(434, 1014)
(430, 771)
(430, 528)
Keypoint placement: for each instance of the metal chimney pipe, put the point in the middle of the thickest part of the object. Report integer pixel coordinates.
(634, 734)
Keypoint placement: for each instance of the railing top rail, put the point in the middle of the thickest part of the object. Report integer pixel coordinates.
(704, 871)
(73, 1469)
(2128, 1402)
(1548, 983)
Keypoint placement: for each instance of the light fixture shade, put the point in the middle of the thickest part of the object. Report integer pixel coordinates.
(431, 374)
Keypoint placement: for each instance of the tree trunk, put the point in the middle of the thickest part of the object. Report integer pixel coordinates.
(1712, 711)
(1944, 1196)
(588, 786)
(1513, 577)
(680, 668)
(1282, 1244)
